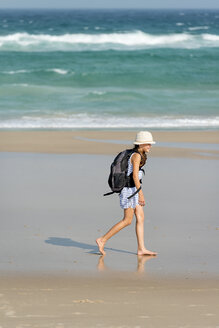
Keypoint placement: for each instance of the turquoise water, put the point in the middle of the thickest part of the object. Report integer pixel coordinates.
(109, 69)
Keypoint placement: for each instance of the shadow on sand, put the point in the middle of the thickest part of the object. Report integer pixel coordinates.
(67, 242)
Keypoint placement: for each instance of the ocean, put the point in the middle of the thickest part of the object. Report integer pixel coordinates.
(109, 69)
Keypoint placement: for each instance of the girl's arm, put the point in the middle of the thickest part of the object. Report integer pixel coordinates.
(135, 160)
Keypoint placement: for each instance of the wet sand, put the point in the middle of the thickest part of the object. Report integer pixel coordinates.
(52, 209)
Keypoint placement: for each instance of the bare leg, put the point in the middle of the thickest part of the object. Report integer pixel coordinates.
(128, 216)
(139, 213)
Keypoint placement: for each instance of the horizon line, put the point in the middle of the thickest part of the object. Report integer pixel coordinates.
(107, 8)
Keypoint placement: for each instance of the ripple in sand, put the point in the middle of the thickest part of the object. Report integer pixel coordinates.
(87, 301)
(79, 313)
(208, 314)
(10, 314)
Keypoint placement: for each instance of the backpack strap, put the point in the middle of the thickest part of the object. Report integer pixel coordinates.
(109, 193)
(142, 170)
(134, 193)
(113, 192)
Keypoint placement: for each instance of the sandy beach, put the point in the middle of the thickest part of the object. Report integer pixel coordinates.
(52, 210)
(119, 301)
(169, 143)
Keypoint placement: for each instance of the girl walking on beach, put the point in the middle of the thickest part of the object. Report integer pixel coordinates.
(134, 205)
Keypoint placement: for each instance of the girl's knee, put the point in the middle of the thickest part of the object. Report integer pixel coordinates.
(127, 221)
(128, 216)
(140, 218)
(139, 213)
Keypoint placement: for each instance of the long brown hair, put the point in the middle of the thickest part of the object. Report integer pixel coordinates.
(143, 156)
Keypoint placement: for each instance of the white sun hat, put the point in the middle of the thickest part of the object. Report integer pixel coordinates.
(144, 137)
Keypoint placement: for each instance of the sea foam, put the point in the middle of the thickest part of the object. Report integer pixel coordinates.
(20, 71)
(89, 121)
(196, 28)
(58, 71)
(211, 37)
(53, 70)
(117, 41)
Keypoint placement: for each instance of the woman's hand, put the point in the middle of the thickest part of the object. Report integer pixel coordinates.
(141, 199)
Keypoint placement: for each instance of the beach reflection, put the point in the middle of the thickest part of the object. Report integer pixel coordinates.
(101, 266)
(141, 260)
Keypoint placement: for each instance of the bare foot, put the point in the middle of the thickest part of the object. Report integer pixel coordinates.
(146, 252)
(100, 244)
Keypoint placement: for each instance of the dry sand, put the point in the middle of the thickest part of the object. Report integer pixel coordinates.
(70, 142)
(113, 301)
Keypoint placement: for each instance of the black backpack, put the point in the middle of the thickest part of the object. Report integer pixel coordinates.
(118, 178)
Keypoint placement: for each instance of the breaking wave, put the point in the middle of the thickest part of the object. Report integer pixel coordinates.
(100, 42)
(89, 121)
(196, 28)
(24, 71)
